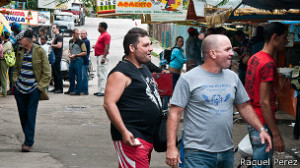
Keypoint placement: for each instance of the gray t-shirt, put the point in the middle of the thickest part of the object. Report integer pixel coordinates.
(207, 99)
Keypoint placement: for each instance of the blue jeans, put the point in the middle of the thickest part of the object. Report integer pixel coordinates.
(85, 79)
(259, 150)
(27, 107)
(75, 69)
(197, 158)
(175, 79)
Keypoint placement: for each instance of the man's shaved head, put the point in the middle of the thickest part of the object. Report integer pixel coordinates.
(212, 41)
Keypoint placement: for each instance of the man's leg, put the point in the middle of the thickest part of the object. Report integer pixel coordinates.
(197, 158)
(259, 149)
(11, 83)
(103, 75)
(85, 79)
(31, 115)
(78, 72)
(226, 159)
(22, 100)
(57, 74)
(72, 76)
(134, 156)
(98, 72)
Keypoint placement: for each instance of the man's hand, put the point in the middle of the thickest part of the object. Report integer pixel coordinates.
(278, 143)
(103, 60)
(72, 56)
(128, 138)
(172, 157)
(165, 71)
(265, 137)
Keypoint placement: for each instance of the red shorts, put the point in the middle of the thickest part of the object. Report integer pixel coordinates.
(134, 156)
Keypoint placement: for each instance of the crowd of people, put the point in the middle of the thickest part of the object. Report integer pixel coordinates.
(205, 94)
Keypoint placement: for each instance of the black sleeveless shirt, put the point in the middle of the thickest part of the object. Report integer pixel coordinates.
(140, 104)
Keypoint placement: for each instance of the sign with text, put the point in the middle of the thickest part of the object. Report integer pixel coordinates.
(106, 6)
(26, 17)
(44, 18)
(149, 6)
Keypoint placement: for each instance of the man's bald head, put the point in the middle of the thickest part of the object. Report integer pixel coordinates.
(212, 42)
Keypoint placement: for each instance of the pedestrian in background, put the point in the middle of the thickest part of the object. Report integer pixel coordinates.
(57, 47)
(193, 49)
(7, 48)
(102, 52)
(207, 94)
(261, 81)
(86, 63)
(31, 77)
(132, 102)
(77, 50)
(242, 51)
(16, 29)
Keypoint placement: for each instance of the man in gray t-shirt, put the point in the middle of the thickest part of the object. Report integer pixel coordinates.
(207, 94)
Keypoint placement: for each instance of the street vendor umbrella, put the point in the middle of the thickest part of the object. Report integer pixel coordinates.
(5, 23)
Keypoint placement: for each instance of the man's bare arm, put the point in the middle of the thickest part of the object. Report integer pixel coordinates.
(106, 49)
(58, 45)
(265, 104)
(115, 86)
(172, 156)
(250, 116)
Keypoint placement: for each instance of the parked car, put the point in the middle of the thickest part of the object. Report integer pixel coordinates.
(65, 20)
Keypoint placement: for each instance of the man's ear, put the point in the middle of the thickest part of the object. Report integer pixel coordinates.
(213, 54)
(131, 48)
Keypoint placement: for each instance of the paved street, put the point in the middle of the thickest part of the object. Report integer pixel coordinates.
(73, 131)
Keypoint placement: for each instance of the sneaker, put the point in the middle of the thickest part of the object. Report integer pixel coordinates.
(74, 94)
(58, 91)
(96, 93)
(100, 94)
(67, 92)
(26, 148)
(53, 90)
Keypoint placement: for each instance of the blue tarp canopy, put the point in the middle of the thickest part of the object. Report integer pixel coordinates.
(273, 4)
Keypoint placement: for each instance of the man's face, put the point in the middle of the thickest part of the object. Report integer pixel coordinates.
(76, 35)
(54, 29)
(100, 29)
(224, 54)
(83, 35)
(24, 42)
(281, 41)
(143, 50)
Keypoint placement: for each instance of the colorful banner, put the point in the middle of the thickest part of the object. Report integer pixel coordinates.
(149, 6)
(106, 6)
(44, 18)
(25, 17)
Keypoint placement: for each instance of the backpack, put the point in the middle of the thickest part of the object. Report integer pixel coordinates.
(165, 56)
(10, 58)
(295, 78)
(51, 57)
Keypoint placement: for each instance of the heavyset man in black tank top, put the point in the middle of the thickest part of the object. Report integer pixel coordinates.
(132, 102)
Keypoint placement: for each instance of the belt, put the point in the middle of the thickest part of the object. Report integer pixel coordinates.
(173, 70)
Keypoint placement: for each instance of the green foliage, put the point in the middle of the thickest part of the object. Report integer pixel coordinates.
(32, 4)
(223, 2)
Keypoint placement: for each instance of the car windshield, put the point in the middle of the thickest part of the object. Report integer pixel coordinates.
(63, 17)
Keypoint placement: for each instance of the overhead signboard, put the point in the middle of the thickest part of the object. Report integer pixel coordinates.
(51, 4)
(26, 17)
(44, 18)
(106, 6)
(149, 7)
